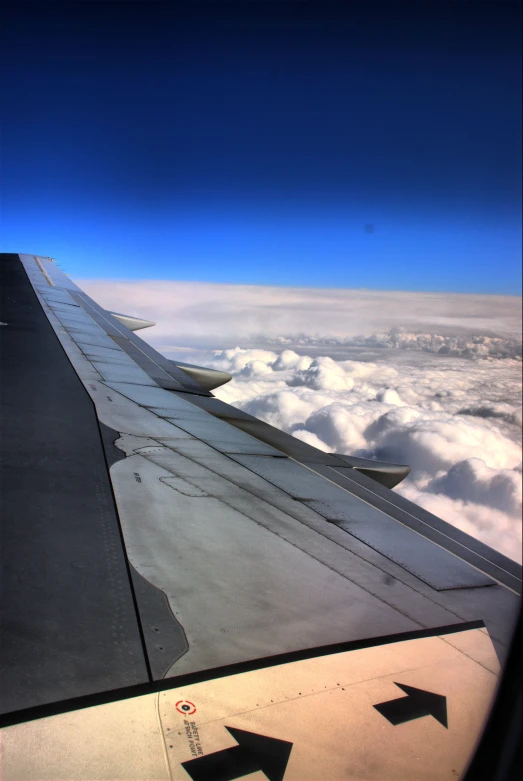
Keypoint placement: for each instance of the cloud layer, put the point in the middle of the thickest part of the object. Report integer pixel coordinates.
(220, 316)
(429, 380)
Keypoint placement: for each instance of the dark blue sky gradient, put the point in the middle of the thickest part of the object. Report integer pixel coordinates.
(254, 142)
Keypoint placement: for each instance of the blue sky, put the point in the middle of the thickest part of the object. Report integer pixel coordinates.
(364, 145)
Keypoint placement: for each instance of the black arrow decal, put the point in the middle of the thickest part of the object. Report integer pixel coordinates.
(418, 703)
(253, 752)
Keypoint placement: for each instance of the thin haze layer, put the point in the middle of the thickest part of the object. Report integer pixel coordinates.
(215, 315)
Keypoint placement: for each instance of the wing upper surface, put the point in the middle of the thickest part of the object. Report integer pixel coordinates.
(226, 540)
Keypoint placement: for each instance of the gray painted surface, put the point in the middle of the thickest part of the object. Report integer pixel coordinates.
(223, 437)
(60, 307)
(237, 589)
(415, 553)
(363, 564)
(163, 371)
(304, 528)
(58, 296)
(164, 636)
(123, 373)
(131, 322)
(68, 624)
(389, 475)
(159, 375)
(442, 533)
(124, 416)
(392, 500)
(107, 355)
(247, 570)
(81, 329)
(72, 317)
(147, 397)
(423, 558)
(209, 379)
(298, 481)
(96, 340)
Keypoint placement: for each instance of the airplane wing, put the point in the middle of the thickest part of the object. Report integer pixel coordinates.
(189, 593)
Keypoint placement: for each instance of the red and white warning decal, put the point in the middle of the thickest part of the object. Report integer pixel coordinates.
(185, 707)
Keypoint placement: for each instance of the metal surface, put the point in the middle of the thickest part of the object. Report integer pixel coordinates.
(147, 397)
(306, 530)
(60, 307)
(415, 553)
(209, 379)
(470, 549)
(237, 589)
(222, 437)
(109, 439)
(321, 711)
(262, 431)
(82, 330)
(107, 355)
(393, 502)
(123, 373)
(389, 475)
(159, 375)
(164, 636)
(132, 323)
(232, 565)
(68, 625)
(124, 416)
(474, 551)
(57, 296)
(154, 363)
(57, 276)
(296, 480)
(72, 316)
(95, 340)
